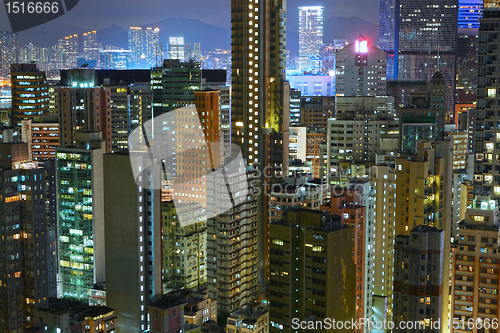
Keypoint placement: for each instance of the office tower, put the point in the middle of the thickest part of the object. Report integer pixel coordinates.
(316, 111)
(233, 234)
(145, 47)
(81, 215)
(310, 34)
(183, 247)
(176, 49)
(415, 50)
(295, 107)
(360, 70)
(420, 288)
(469, 13)
(24, 266)
(487, 177)
(474, 277)
(42, 139)
(310, 84)
(83, 109)
(30, 92)
(173, 85)
(382, 192)
(8, 51)
(311, 269)
(297, 143)
(252, 320)
(133, 266)
(260, 100)
(115, 59)
(91, 48)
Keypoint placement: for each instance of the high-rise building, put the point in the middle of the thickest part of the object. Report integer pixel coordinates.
(232, 239)
(91, 48)
(487, 177)
(316, 111)
(420, 288)
(184, 246)
(24, 233)
(134, 266)
(297, 143)
(423, 184)
(42, 139)
(69, 50)
(469, 13)
(176, 49)
(216, 79)
(474, 276)
(425, 117)
(311, 269)
(30, 92)
(382, 193)
(145, 47)
(295, 107)
(417, 48)
(173, 85)
(79, 175)
(83, 109)
(310, 33)
(8, 51)
(360, 70)
(260, 100)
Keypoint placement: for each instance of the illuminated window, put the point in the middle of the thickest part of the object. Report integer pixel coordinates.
(492, 92)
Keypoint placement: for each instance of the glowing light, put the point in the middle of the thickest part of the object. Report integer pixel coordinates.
(361, 46)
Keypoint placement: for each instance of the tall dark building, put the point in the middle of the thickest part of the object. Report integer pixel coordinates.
(8, 51)
(23, 239)
(173, 85)
(420, 38)
(30, 92)
(260, 98)
(487, 174)
(312, 272)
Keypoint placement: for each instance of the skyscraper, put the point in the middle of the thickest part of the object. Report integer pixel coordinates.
(144, 44)
(23, 233)
(30, 92)
(260, 98)
(469, 13)
(80, 201)
(8, 51)
(174, 84)
(487, 175)
(310, 33)
(419, 39)
(91, 48)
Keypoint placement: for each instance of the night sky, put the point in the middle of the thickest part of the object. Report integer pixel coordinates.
(99, 14)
